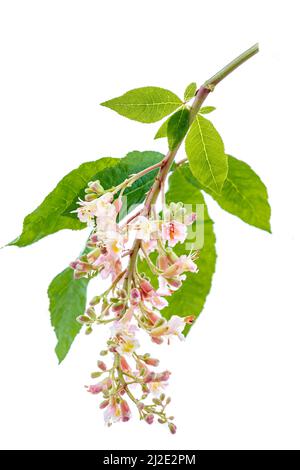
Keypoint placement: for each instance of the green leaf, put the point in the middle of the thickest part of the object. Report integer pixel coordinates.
(134, 162)
(49, 216)
(147, 104)
(243, 195)
(178, 126)
(190, 91)
(67, 298)
(205, 151)
(54, 213)
(207, 109)
(191, 297)
(163, 130)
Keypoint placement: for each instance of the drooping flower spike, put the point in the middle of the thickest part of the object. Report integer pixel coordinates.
(131, 304)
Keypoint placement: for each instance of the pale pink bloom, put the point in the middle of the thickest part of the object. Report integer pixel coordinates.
(156, 388)
(87, 211)
(100, 386)
(109, 265)
(160, 377)
(127, 346)
(157, 301)
(174, 232)
(109, 259)
(190, 218)
(182, 264)
(112, 412)
(150, 246)
(176, 326)
(150, 295)
(118, 204)
(106, 213)
(123, 327)
(168, 286)
(143, 228)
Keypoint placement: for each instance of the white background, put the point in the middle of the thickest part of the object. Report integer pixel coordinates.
(235, 381)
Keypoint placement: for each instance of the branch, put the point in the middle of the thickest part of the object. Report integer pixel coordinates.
(200, 97)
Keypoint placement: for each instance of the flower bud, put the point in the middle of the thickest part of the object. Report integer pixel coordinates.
(135, 296)
(118, 204)
(162, 262)
(122, 294)
(146, 286)
(163, 376)
(176, 283)
(79, 274)
(104, 404)
(95, 300)
(152, 362)
(149, 377)
(101, 365)
(96, 187)
(172, 428)
(190, 319)
(159, 331)
(90, 197)
(125, 411)
(149, 419)
(91, 313)
(94, 375)
(118, 307)
(124, 365)
(83, 319)
(96, 388)
(93, 255)
(157, 340)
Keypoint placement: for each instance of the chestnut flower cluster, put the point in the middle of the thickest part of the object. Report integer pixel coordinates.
(131, 303)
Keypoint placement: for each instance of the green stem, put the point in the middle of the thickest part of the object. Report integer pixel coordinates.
(200, 97)
(215, 79)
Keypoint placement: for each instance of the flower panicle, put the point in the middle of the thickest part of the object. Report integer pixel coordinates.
(132, 305)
